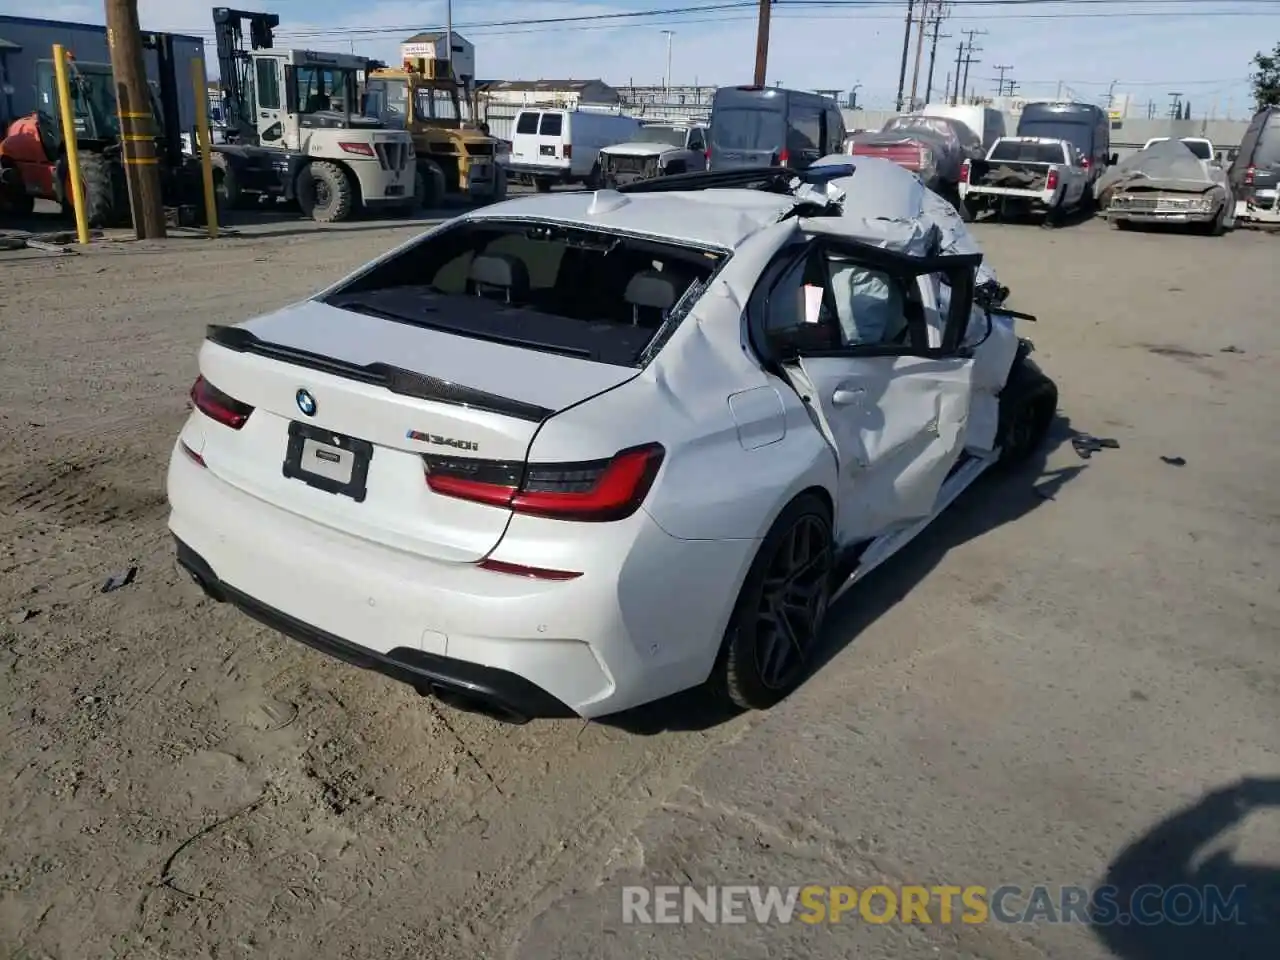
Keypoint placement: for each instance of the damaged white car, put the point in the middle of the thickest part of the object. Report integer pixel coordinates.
(575, 452)
(1168, 182)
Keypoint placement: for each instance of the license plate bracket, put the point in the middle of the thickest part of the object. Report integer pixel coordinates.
(328, 461)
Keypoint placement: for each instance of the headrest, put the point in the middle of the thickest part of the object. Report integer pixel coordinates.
(651, 289)
(500, 270)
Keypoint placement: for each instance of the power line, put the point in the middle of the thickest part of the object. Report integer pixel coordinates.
(735, 10)
(1002, 69)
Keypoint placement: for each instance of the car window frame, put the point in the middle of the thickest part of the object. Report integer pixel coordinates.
(957, 271)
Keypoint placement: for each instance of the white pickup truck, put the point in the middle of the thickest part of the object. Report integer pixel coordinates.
(1022, 175)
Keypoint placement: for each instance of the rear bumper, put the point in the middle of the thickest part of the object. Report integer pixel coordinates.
(554, 174)
(499, 692)
(644, 620)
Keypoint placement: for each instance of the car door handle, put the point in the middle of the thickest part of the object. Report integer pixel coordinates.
(846, 398)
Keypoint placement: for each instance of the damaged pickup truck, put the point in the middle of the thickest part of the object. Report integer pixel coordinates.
(1167, 183)
(1022, 175)
(659, 150)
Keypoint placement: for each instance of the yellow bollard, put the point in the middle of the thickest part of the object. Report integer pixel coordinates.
(200, 83)
(69, 139)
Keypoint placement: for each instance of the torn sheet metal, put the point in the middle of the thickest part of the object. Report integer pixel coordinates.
(890, 207)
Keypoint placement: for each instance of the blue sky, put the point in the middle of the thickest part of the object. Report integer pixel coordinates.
(1200, 48)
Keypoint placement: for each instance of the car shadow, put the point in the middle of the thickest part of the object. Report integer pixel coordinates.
(998, 498)
(1176, 897)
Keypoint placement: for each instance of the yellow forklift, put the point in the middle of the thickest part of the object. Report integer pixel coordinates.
(456, 155)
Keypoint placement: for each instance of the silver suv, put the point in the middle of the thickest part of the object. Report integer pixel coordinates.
(659, 149)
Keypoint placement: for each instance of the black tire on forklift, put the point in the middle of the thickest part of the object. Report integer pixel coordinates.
(13, 193)
(106, 193)
(325, 192)
(499, 183)
(428, 185)
(226, 184)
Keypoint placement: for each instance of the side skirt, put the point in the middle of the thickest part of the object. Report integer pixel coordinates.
(884, 547)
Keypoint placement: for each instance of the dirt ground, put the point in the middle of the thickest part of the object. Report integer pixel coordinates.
(1033, 687)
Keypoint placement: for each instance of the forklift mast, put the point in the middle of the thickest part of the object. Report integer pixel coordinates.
(234, 65)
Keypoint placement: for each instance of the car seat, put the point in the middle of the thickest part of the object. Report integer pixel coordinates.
(651, 295)
(498, 276)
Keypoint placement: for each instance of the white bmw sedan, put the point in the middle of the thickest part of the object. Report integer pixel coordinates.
(575, 452)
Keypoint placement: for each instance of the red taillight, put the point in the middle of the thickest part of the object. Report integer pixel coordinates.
(1086, 163)
(568, 151)
(597, 491)
(784, 157)
(1051, 181)
(964, 172)
(359, 149)
(533, 573)
(1249, 173)
(191, 454)
(216, 405)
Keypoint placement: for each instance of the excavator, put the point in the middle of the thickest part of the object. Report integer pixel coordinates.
(454, 156)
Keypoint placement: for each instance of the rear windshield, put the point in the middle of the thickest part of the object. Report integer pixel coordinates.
(557, 288)
(1080, 134)
(528, 123)
(1200, 148)
(744, 128)
(552, 123)
(1013, 150)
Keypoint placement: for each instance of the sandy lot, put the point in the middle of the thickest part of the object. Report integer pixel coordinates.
(1071, 657)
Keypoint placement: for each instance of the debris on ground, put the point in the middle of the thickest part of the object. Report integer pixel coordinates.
(1231, 349)
(22, 616)
(119, 580)
(1086, 445)
(59, 242)
(1175, 461)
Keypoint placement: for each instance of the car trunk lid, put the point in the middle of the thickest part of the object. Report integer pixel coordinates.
(336, 394)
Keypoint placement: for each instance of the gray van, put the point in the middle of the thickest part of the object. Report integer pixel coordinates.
(1256, 167)
(772, 127)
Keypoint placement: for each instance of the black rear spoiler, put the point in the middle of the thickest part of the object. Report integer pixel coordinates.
(769, 179)
(407, 383)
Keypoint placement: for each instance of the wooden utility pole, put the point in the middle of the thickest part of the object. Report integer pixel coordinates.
(906, 46)
(915, 72)
(939, 15)
(762, 43)
(137, 123)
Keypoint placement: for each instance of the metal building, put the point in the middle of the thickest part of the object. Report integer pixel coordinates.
(25, 41)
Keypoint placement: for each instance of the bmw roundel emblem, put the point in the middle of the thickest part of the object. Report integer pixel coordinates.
(306, 402)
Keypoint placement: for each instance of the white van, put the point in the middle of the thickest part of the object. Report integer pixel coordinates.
(563, 146)
(986, 122)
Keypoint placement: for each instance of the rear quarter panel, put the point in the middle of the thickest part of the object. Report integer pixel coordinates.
(740, 443)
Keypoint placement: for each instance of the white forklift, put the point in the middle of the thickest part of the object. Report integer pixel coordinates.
(296, 131)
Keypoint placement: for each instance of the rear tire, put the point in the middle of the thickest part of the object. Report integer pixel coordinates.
(430, 178)
(968, 211)
(766, 651)
(106, 194)
(1028, 404)
(542, 184)
(325, 192)
(226, 184)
